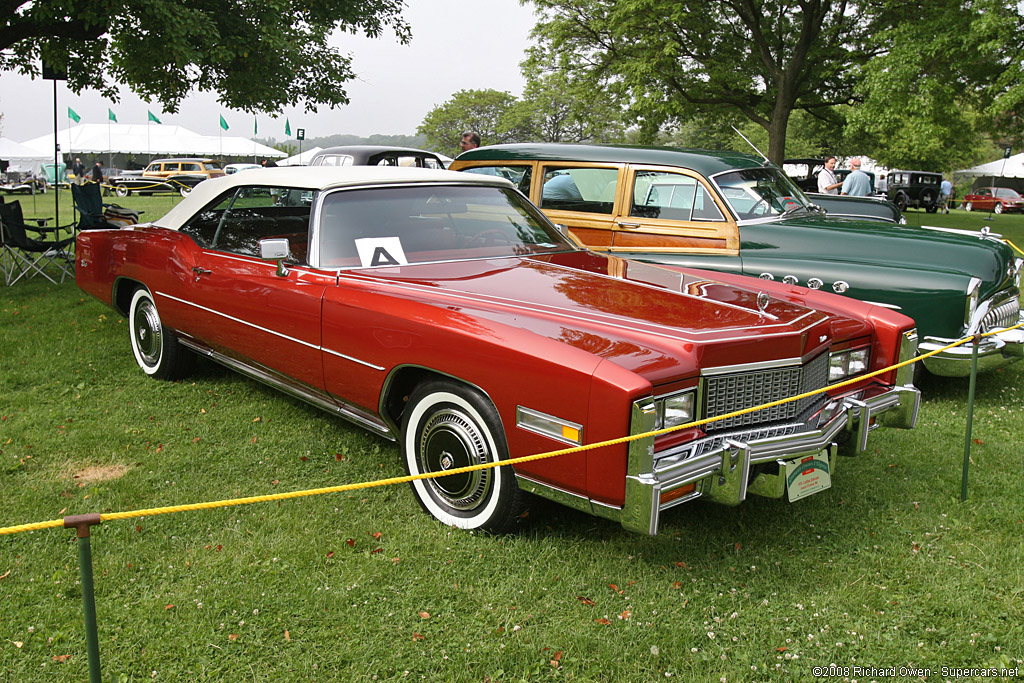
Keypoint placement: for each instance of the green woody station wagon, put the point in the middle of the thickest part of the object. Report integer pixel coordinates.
(734, 212)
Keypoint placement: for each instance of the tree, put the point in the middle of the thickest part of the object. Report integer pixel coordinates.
(942, 88)
(556, 108)
(259, 56)
(763, 59)
(482, 111)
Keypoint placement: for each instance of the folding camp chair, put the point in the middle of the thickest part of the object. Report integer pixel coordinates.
(22, 256)
(90, 207)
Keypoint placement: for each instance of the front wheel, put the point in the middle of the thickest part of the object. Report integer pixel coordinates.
(900, 201)
(447, 426)
(968, 206)
(122, 191)
(998, 208)
(155, 347)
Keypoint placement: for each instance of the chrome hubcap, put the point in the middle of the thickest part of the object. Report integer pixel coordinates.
(451, 440)
(148, 333)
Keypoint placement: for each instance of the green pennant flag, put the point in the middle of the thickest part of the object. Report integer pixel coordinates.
(73, 115)
(287, 127)
(110, 115)
(223, 123)
(152, 116)
(255, 126)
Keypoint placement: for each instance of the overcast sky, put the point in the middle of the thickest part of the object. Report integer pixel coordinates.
(456, 44)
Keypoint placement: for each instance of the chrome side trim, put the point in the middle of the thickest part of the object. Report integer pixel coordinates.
(354, 360)
(310, 396)
(269, 331)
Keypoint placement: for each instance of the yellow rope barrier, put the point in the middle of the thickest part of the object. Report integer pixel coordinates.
(471, 468)
(1013, 245)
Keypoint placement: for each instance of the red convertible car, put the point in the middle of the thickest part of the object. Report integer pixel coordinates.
(445, 312)
(995, 199)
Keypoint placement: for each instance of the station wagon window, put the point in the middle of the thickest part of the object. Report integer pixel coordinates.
(190, 167)
(238, 220)
(521, 176)
(401, 225)
(759, 192)
(590, 190)
(672, 196)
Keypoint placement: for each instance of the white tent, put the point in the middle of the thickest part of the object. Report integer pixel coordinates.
(1005, 168)
(148, 140)
(22, 157)
(300, 159)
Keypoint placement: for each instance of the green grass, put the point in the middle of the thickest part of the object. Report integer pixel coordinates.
(887, 568)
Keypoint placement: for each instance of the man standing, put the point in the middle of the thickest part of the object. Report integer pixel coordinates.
(945, 191)
(470, 140)
(97, 172)
(827, 181)
(78, 170)
(858, 183)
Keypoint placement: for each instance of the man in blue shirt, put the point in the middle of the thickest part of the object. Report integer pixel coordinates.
(858, 183)
(945, 190)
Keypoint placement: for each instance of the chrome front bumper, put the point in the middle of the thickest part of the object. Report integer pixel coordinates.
(993, 352)
(726, 467)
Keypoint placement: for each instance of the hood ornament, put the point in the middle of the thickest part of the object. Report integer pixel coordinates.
(762, 301)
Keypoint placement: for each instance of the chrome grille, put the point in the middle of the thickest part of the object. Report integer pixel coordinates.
(1004, 315)
(727, 393)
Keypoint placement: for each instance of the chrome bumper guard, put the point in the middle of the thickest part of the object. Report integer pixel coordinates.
(725, 468)
(993, 352)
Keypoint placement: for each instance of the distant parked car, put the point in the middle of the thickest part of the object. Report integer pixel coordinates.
(235, 168)
(376, 155)
(736, 213)
(443, 311)
(995, 199)
(919, 189)
(167, 175)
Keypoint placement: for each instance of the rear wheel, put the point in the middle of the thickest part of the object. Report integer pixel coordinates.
(155, 347)
(185, 190)
(448, 426)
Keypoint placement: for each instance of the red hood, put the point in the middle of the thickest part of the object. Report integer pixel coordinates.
(641, 316)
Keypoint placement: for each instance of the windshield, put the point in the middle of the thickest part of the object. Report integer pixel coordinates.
(761, 193)
(389, 226)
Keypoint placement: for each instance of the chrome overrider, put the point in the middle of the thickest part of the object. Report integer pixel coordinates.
(998, 312)
(726, 467)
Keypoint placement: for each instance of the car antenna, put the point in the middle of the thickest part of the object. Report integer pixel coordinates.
(766, 160)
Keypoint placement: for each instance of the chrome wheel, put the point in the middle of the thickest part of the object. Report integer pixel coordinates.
(447, 426)
(968, 206)
(155, 348)
(121, 191)
(998, 208)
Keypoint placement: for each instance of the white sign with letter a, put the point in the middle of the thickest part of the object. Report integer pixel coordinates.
(381, 251)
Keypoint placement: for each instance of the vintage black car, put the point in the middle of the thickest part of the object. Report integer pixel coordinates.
(919, 189)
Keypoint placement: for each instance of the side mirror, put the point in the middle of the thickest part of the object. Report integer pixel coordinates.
(276, 249)
(563, 229)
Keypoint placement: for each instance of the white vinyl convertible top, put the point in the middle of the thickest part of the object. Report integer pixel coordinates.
(314, 178)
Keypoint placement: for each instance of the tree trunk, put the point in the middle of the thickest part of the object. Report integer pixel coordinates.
(777, 134)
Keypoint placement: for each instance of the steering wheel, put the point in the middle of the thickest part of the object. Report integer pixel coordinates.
(491, 236)
(753, 213)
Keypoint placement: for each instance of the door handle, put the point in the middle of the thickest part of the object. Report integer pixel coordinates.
(623, 224)
(200, 271)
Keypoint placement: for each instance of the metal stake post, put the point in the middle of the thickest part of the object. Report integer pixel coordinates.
(970, 418)
(81, 524)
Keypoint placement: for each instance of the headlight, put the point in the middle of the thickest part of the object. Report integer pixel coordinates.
(674, 409)
(844, 364)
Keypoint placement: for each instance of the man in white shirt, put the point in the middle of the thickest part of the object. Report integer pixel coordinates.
(827, 182)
